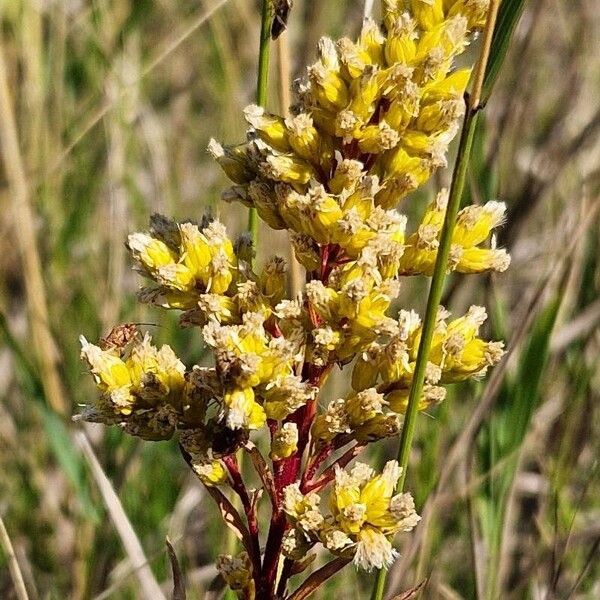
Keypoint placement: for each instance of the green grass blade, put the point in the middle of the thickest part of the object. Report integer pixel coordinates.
(508, 17)
(70, 460)
(527, 386)
(506, 431)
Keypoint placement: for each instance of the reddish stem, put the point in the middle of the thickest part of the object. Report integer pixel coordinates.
(287, 471)
(329, 473)
(239, 488)
(313, 466)
(272, 327)
(324, 261)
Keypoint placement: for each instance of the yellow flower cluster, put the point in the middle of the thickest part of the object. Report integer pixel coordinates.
(142, 388)
(473, 226)
(382, 376)
(349, 312)
(372, 122)
(257, 372)
(237, 573)
(364, 516)
(457, 352)
(149, 393)
(430, 13)
(364, 416)
(199, 271)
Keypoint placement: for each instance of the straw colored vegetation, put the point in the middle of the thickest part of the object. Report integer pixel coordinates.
(107, 108)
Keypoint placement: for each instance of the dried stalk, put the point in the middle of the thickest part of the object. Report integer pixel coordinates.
(24, 226)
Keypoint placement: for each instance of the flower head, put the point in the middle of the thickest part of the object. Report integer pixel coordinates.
(141, 387)
(371, 123)
(365, 513)
(237, 573)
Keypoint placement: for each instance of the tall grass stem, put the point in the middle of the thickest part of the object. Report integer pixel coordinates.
(261, 91)
(439, 274)
(13, 563)
(262, 87)
(24, 220)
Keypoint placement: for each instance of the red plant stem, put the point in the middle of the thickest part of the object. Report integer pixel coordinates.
(263, 471)
(329, 473)
(286, 472)
(313, 466)
(239, 488)
(272, 327)
(324, 261)
(318, 577)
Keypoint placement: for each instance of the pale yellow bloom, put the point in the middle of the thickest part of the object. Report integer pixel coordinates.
(285, 441)
(237, 573)
(364, 514)
(211, 472)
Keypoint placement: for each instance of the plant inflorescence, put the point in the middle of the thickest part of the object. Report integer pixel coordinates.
(371, 123)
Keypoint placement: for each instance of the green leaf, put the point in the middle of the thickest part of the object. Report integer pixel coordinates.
(56, 431)
(505, 432)
(508, 17)
(70, 460)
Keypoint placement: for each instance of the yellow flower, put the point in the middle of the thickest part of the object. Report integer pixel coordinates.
(475, 11)
(474, 225)
(233, 160)
(273, 280)
(428, 13)
(243, 412)
(386, 105)
(365, 416)
(211, 472)
(466, 355)
(285, 441)
(364, 514)
(364, 406)
(142, 388)
(186, 261)
(398, 399)
(303, 510)
(284, 395)
(295, 545)
(270, 128)
(109, 371)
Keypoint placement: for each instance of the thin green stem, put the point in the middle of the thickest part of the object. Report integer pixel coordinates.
(261, 91)
(433, 301)
(441, 265)
(261, 100)
(435, 291)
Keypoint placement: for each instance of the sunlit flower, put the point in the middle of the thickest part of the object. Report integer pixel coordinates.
(364, 515)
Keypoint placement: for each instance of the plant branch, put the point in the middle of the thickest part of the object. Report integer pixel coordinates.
(318, 577)
(328, 474)
(249, 506)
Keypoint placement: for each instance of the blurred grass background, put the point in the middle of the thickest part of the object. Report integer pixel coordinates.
(106, 108)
